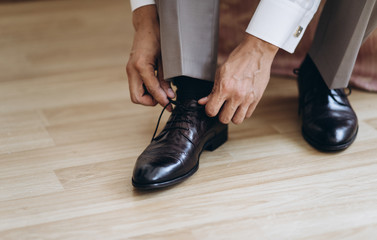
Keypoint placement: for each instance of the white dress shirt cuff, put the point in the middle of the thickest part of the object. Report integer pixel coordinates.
(281, 23)
(139, 3)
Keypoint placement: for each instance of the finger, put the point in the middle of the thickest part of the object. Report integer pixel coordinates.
(251, 109)
(148, 100)
(137, 91)
(164, 84)
(146, 97)
(227, 112)
(153, 86)
(240, 114)
(214, 103)
(253, 101)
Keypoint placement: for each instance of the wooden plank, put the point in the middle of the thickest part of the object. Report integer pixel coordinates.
(70, 136)
(23, 131)
(30, 185)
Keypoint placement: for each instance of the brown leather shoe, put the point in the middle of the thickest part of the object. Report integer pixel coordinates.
(173, 155)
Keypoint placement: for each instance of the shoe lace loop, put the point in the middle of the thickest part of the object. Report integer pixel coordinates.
(178, 112)
(159, 118)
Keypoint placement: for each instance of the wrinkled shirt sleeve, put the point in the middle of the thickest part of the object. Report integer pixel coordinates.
(282, 22)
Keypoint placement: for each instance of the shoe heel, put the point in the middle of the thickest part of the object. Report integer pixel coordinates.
(217, 141)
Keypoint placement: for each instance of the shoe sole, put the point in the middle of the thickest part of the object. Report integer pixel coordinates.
(167, 183)
(210, 145)
(329, 148)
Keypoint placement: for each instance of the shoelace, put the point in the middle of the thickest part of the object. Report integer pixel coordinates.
(178, 114)
(296, 71)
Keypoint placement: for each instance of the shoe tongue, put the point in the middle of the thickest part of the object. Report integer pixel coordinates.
(187, 109)
(189, 103)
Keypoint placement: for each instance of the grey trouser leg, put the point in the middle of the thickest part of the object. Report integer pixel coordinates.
(189, 33)
(372, 24)
(342, 28)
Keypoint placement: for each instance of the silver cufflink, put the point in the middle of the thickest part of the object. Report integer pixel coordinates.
(298, 31)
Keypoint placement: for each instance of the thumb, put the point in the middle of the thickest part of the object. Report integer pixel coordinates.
(204, 100)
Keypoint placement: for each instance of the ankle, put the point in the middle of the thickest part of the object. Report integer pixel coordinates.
(192, 88)
(310, 76)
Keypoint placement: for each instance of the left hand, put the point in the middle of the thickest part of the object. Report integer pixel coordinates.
(240, 81)
(146, 88)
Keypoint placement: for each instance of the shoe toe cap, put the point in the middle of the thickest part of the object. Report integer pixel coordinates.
(155, 170)
(331, 134)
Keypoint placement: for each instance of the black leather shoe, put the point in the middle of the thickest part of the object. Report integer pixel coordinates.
(173, 155)
(328, 120)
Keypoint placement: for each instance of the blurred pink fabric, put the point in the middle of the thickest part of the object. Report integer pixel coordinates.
(234, 18)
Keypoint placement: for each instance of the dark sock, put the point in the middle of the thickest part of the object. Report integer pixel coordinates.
(310, 69)
(192, 88)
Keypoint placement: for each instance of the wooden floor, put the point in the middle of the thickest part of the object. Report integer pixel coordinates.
(69, 137)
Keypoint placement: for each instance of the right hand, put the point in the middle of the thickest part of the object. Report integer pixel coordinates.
(145, 87)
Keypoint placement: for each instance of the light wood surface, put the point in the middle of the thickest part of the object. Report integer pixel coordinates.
(69, 138)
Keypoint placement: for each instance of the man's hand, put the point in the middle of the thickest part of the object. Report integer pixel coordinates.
(145, 87)
(241, 81)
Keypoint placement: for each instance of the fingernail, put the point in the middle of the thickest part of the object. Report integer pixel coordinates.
(171, 93)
